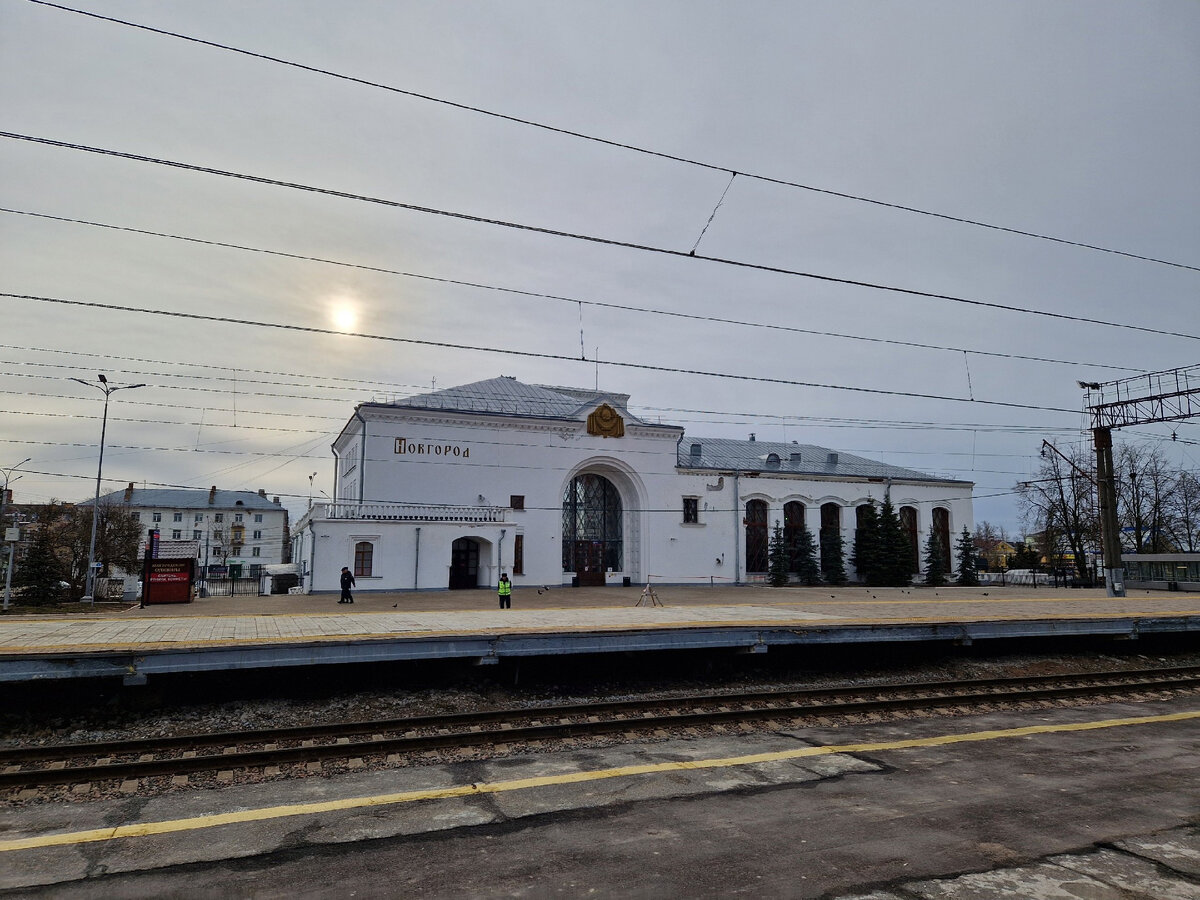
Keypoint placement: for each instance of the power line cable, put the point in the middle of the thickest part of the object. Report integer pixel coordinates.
(555, 297)
(607, 141)
(530, 354)
(593, 239)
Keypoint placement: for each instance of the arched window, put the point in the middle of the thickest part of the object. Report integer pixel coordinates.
(591, 535)
(831, 529)
(793, 526)
(756, 536)
(941, 528)
(364, 556)
(908, 525)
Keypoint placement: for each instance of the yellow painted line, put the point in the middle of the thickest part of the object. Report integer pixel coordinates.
(146, 829)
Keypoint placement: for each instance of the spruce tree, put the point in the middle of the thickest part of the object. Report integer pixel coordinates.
(895, 550)
(935, 562)
(804, 558)
(967, 576)
(865, 557)
(833, 557)
(777, 558)
(40, 574)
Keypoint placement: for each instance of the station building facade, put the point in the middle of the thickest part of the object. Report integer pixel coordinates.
(564, 486)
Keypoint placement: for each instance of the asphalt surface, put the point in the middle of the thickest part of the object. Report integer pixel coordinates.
(1098, 802)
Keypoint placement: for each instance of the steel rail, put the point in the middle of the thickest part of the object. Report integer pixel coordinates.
(792, 704)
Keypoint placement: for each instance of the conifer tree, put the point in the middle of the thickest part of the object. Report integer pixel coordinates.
(865, 557)
(967, 576)
(804, 558)
(833, 557)
(895, 551)
(40, 574)
(777, 558)
(935, 562)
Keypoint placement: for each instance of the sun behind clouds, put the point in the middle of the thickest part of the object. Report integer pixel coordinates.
(344, 315)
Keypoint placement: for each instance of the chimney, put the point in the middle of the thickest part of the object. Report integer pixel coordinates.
(275, 500)
(794, 457)
(129, 492)
(832, 459)
(752, 435)
(212, 495)
(262, 492)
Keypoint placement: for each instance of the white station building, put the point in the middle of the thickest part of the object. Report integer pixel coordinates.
(564, 486)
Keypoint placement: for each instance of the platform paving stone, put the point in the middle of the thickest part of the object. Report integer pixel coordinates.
(1178, 849)
(1130, 873)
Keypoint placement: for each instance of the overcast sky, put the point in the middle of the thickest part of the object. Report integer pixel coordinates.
(1079, 121)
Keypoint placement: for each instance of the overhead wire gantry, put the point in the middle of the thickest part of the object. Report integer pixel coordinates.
(1172, 395)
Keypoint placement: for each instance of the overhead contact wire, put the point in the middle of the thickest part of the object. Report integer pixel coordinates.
(658, 154)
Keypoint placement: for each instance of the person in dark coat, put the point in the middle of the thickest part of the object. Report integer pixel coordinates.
(347, 583)
(505, 591)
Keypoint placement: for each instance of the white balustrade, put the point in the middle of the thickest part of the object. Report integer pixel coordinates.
(408, 512)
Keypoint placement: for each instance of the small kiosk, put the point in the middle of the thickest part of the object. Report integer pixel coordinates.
(169, 571)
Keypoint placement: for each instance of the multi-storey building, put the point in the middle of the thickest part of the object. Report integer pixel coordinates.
(237, 532)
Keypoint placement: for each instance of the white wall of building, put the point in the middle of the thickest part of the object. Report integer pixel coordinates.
(439, 468)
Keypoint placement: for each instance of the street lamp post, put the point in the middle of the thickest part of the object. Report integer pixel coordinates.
(8, 478)
(108, 390)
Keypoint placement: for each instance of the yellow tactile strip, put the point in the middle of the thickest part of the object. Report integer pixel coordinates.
(196, 823)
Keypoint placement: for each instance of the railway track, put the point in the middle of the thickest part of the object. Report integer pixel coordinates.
(392, 739)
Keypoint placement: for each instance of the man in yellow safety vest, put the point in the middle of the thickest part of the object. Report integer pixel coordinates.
(505, 590)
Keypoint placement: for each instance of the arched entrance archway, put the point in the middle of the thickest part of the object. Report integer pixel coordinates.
(592, 535)
(464, 564)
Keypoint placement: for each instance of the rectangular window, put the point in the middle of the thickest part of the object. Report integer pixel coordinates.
(691, 510)
(519, 554)
(258, 535)
(237, 517)
(364, 558)
(195, 535)
(219, 517)
(254, 551)
(217, 535)
(178, 517)
(157, 517)
(258, 517)
(137, 517)
(517, 501)
(176, 534)
(198, 518)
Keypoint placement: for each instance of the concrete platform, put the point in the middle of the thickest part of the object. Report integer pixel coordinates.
(285, 630)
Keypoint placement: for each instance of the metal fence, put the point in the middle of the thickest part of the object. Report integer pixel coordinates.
(232, 587)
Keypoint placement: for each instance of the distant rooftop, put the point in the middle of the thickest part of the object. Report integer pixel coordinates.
(508, 397)
(183, 498)
(789, 458)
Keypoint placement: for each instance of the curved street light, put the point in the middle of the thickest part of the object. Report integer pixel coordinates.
(108, 390)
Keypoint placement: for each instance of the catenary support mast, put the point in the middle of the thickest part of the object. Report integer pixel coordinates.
(1168, 396)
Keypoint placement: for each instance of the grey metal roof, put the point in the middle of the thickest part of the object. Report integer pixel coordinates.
(509, 397)
(180, 498)
(756, 456)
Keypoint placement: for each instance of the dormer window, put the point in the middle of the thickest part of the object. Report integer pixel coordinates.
(772, 460)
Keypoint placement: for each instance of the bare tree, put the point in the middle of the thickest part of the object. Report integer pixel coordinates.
(1144, 481)
(1059, 505)
(1183, 512)
(118, 537)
